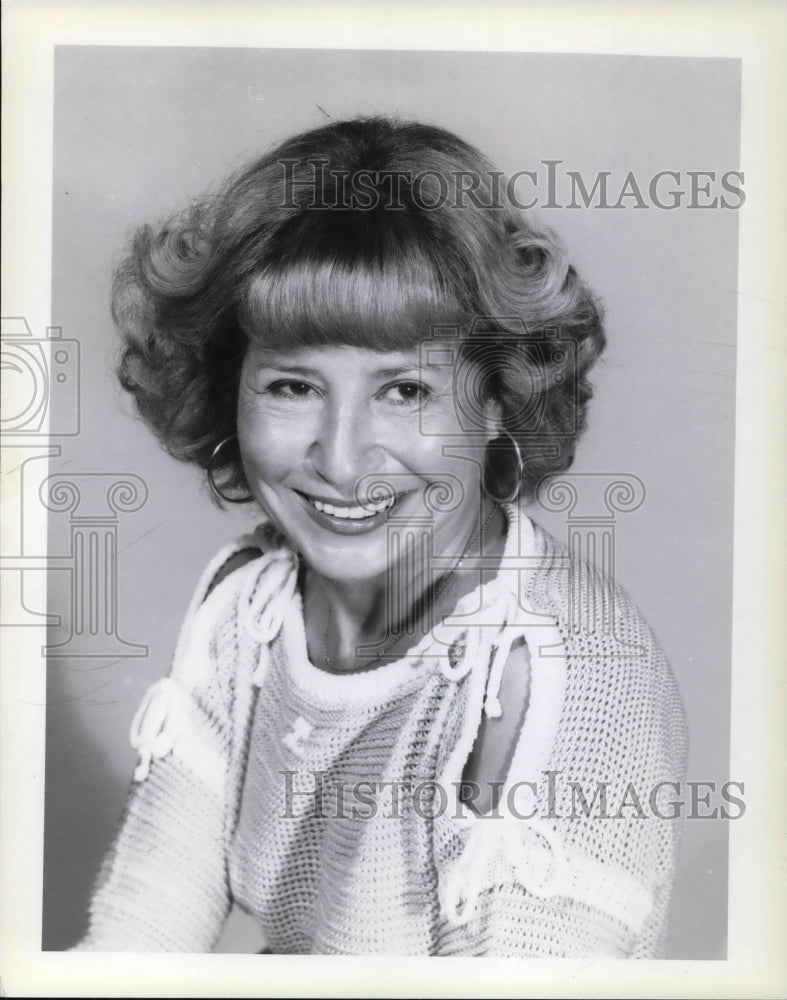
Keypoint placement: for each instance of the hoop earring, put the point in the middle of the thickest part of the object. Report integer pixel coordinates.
(520, 469)
(211, 480)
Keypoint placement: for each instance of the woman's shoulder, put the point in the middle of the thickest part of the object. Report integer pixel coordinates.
(611, 649)
(583, 596)
(234, 556)
(240, 553)
(235, 584)
(613, 656)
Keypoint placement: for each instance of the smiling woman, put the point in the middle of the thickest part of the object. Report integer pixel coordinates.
(365, 684)
(341, 442)
(335, 459)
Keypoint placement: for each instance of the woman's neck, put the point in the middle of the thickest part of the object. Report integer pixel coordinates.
(391, 613)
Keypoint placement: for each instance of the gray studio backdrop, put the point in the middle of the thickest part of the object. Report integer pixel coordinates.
(138, 131)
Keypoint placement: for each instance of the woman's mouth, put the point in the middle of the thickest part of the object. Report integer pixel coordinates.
(346, 518)
(353, 513)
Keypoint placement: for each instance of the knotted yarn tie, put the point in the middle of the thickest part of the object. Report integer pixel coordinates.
(263, 607)
(501, 649)
(498, 609)
(490, 838)
(157, 723)
(472, 638)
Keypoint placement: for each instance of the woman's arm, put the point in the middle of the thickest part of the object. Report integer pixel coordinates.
(621, 724)
(163, 885)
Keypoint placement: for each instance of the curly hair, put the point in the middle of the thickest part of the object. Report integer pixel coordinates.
(365, 233)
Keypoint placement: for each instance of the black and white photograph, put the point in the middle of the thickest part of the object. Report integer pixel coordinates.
(385, 419)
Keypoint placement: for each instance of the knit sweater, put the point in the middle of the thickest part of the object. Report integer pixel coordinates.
(328, 805)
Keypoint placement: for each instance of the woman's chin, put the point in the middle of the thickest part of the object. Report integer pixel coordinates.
(345, 567)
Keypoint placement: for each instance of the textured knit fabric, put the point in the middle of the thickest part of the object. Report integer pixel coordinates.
(327, 804)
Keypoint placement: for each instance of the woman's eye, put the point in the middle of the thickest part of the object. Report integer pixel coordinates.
(407, 393)
(290, 389)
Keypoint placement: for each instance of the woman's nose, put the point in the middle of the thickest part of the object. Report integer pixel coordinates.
(345, 448)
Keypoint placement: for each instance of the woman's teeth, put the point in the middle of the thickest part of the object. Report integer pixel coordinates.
(353, 513)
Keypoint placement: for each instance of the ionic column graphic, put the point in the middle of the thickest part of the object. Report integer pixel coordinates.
(95, 501)
(591, 501)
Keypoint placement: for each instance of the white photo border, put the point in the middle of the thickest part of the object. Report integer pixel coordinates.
(754, 33)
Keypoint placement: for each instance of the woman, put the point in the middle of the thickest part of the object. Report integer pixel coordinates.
(382, 712)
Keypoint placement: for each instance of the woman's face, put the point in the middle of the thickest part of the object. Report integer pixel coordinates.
(346, 448)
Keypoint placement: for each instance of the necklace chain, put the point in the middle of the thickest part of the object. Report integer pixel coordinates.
(436, 592)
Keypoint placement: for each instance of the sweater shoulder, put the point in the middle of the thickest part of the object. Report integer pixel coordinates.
(614, 658)
(211, 637)
(243, 553)
(585, 598)
(233, 556)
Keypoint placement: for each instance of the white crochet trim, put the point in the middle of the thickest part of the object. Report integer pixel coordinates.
(613, 891)
(268, 593)
(263, 664)
(531, 854)
(166, 722)
(548, 675)
(547, 691)
(156, 724)
(191, 662)
(366, 687)
(490, 840)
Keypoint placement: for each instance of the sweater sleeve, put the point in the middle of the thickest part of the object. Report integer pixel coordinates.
(546, 887)
(584, 867)
(163, 885)
(669, 750)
